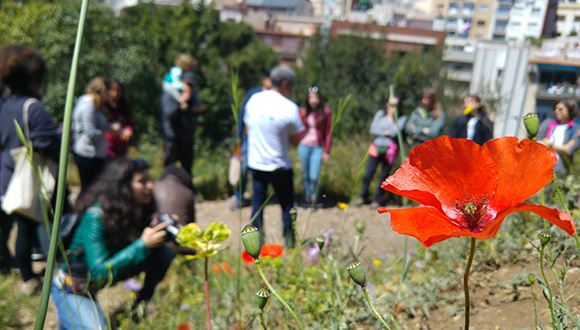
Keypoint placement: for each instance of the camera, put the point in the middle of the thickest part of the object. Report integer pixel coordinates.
(173, 227)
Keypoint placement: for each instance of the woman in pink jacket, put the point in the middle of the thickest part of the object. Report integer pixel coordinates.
(315, 141)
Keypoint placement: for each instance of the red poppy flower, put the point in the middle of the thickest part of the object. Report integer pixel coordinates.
(216, 268)
(268, 250)
(227, 268)
(183, 326)
(467, 190)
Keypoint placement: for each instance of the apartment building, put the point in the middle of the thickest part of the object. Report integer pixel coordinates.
(568, 18)
(466, 20)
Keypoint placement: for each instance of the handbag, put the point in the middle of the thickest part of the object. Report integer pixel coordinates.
(234, 168)
(34, 179)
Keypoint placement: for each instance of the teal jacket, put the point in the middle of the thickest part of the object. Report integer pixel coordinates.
(103, 258)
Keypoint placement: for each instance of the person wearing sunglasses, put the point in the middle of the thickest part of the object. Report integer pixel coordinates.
(560, 134)
(315, 142)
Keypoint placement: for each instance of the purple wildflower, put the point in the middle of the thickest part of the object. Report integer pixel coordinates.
(132, 285)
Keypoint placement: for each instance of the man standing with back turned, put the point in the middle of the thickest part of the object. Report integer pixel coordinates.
(273, 124)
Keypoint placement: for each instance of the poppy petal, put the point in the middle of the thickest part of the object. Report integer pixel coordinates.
(558, 218)
(271, 250)
(523, 169)
(425, 223)
(441, 171)
(247, 258)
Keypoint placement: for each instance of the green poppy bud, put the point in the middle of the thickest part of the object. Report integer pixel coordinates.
(293, 214)
(531, 278)
(251, 240)
(320, 241)
(360, 226)
(262, 295)
(545, 238)
(356, 272)
(532, 124)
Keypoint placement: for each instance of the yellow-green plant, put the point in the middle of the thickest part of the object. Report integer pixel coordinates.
(206, 243)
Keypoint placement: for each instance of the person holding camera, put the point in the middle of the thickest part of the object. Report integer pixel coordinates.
(114, 240)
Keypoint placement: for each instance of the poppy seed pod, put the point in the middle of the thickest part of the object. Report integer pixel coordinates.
(320, 241)
(532, 124)
(545, 238)
(356, 272)
(251, 240)
(293, 214)
(262, 295)
(360, 226)
(531, 278)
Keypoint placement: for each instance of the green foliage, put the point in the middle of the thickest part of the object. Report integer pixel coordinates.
(359, 66)
(138, 48)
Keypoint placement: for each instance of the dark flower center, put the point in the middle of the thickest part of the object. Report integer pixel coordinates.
(472, 214)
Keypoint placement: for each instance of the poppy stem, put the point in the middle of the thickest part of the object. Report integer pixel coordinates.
(364, 289)
(282, 301)
(550, 299)
(565, 209)
(208, 311)
(535, 309)
(261, 315)
(329, 285)
(466, 283)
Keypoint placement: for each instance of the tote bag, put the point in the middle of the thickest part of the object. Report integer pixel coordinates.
(234, 168)
(29, 191)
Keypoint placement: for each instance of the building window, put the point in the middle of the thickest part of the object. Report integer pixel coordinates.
(560, 18)
(480, 23)
(536, 10)
(484, 8)
(576, 18)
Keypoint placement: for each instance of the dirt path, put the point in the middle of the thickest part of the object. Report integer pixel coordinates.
(378, 229)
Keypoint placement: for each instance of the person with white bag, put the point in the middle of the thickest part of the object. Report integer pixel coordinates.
(23, 72)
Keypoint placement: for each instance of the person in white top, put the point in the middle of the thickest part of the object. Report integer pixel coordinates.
(273, 125)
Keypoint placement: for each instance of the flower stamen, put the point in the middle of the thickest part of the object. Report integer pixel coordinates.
(472, 214)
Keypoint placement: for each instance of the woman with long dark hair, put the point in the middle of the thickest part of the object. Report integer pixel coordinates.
(113, 241)
(427, 120)
(118, 110)
(315, 141)
(23, 73)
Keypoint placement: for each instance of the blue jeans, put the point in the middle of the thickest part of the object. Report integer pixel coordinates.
(281, 180)
(243, 170)
(311, 159)
(76, 310)
(85, 313)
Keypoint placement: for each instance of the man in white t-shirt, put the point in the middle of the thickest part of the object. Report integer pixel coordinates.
(273, 125)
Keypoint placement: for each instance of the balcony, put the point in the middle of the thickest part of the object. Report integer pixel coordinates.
(459, 75)
(502, 15)
(458, 56)
(556, 92)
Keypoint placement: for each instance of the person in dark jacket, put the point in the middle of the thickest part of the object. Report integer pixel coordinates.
(474, 124)
(178, 125)
(174, 194)
(115, 239)
(23, 73)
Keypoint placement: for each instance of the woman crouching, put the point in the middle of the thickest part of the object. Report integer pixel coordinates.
(113, 241)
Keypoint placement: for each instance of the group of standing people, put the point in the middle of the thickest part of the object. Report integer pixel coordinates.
(117, 233)
(266, 135)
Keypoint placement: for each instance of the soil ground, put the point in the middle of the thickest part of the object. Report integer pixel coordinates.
(496, 304)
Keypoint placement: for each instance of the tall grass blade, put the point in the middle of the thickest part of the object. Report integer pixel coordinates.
(62, 170)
